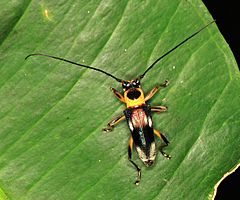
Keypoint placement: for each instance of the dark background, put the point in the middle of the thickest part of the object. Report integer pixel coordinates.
(227, 16)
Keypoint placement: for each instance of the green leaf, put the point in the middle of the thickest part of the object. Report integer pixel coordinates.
(52, 113)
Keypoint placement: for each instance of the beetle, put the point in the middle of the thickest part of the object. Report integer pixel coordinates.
(138, 112)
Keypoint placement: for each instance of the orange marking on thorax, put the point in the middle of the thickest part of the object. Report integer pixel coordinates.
(136, 102)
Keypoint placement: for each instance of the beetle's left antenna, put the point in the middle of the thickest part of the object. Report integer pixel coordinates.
(174, 48)
(74, 63)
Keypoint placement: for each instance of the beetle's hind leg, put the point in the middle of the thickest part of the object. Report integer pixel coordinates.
(166, 142)
(113, 122)
(130, 146)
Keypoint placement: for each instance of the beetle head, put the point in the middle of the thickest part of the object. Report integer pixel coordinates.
(126, 85)
(133, 93)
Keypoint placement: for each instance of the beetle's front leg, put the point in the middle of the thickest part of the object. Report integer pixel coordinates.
(155, 89)
(118, 95)
(159, 109)
(113, 122)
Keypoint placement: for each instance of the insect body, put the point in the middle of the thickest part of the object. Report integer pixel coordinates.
(139, 118)
(138, 113)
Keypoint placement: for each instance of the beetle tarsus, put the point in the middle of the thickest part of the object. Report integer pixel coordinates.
(165, 84)
(112, 123)
(166, 155)
(137, 182)
(108, 128)
(163, 153)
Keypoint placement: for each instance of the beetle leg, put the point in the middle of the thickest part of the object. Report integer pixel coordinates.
(155, 89)
(130, 146)
(160, 135)
(118, 95)
(112, 123)
(159, 109)
(151, 93)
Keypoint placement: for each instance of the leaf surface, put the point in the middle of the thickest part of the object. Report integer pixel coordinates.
(51, 115)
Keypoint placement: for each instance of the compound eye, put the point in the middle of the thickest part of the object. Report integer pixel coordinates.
(124, 84)
(136, 83)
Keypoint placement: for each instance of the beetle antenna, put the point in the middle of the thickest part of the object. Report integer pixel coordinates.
(174, 48)
(74, 63)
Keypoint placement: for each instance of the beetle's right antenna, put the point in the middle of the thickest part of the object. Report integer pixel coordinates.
(74, 63)
(174, 48)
